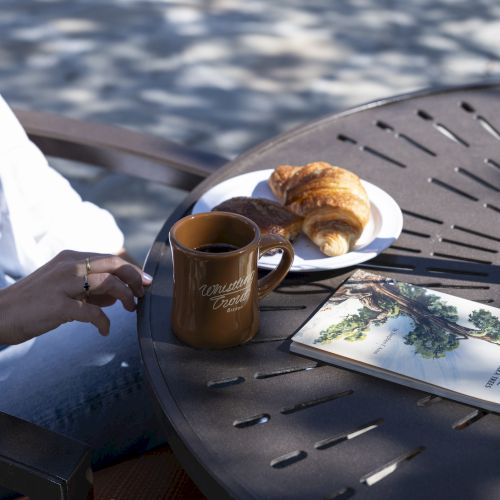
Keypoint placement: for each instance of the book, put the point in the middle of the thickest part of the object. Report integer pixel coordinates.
(432, 341)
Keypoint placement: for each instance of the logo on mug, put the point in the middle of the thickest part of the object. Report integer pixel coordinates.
(229, 296)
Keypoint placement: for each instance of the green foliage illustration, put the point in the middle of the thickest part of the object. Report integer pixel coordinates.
(434, 330)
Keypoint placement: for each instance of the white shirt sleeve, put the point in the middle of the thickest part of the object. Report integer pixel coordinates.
(42, 214)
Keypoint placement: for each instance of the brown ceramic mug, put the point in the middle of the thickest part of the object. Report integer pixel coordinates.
(216, 287)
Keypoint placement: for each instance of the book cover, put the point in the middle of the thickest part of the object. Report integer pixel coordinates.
(428, 340)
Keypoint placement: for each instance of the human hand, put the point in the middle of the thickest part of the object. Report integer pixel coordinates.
(55, 294)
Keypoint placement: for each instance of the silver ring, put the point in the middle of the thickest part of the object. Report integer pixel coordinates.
(87, 265)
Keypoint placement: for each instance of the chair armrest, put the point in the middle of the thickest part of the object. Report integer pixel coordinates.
(146, 156)
(42, 464)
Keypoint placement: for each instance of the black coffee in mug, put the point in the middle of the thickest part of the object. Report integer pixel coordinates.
(216, 248)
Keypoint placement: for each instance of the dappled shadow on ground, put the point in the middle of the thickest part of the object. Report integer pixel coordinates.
(225, 75)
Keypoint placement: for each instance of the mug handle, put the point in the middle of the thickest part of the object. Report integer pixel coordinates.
(269, 282)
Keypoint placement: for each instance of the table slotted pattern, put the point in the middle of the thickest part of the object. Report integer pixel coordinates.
(258, 422)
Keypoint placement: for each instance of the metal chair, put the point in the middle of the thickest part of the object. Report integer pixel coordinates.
(34, 461)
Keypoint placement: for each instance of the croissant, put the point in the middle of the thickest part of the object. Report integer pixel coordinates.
(331, 199)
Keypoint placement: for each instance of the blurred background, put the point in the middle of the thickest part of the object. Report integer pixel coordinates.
(224, 75)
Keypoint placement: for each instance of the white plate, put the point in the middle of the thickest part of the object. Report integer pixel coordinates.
(384, 226)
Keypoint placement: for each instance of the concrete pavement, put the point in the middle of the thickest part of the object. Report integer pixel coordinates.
(224, 75)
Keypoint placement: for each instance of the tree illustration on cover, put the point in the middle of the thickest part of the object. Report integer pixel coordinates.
(434, 323)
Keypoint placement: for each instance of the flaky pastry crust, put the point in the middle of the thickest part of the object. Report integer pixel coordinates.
(331, 199)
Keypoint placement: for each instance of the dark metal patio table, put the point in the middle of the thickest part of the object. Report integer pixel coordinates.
(248, 422)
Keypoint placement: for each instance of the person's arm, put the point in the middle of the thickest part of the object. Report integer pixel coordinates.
(57, 293)
(42, 213)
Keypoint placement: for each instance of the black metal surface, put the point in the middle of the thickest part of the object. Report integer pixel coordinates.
(118, 149)
(258, 422)
(42, 464)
